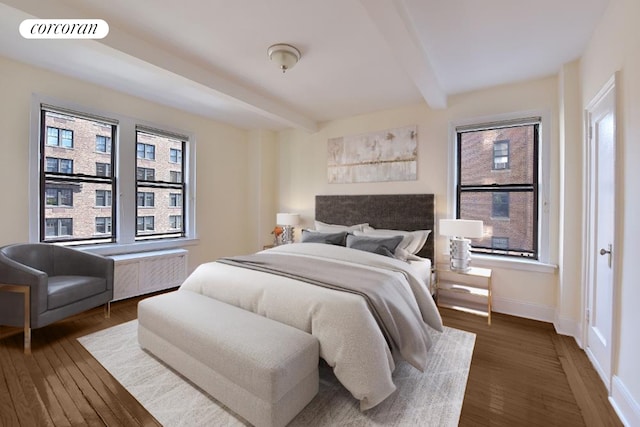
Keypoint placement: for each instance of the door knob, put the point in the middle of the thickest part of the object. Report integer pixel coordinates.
(607, 252)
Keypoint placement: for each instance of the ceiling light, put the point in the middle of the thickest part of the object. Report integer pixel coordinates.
(284, 55)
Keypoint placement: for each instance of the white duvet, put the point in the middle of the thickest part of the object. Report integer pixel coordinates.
(350, 339)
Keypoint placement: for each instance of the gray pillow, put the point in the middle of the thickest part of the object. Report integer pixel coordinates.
(378, 245)
(328, 238)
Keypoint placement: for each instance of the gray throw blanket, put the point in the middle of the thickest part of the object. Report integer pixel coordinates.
(389, 299)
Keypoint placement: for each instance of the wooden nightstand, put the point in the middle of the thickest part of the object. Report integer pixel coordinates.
(468, 291)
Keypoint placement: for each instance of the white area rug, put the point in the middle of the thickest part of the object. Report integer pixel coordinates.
(432, 398)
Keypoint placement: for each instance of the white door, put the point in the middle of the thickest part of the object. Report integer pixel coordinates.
(601, 229)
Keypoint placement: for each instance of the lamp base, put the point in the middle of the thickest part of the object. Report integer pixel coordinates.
(287, 234)
(460, 254)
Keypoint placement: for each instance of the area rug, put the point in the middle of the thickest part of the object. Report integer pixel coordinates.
(432, 398)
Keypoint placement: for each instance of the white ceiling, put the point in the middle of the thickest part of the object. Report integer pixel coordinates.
(210, 56)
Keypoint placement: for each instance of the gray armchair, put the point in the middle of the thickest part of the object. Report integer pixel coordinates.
(58, 281)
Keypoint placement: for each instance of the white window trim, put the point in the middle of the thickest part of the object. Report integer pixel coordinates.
(543, 264)
(126, 189)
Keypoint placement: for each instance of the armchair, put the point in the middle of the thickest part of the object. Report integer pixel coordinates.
(58, 282)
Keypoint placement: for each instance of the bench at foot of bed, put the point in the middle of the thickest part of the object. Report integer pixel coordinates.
(265, 371)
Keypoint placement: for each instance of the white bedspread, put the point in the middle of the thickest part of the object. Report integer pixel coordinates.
(350, 339)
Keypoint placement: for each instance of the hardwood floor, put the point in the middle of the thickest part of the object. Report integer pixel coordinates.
(522, 374)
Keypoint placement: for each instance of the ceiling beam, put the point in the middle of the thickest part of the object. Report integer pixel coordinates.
(390, 17)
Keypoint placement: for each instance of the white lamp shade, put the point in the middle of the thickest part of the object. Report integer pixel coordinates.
(288, 219)
(461, 228)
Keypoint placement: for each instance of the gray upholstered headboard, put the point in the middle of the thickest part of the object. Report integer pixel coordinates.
(407, 212)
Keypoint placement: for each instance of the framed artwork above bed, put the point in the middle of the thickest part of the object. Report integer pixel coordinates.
(408, 212)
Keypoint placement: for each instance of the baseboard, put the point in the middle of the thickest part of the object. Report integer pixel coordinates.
(527, 310)
(567, 326)
(623, 403)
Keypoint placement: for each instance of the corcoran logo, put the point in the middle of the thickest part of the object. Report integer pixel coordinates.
(64, 29)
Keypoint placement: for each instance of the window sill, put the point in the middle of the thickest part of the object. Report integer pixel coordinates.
(127, 248)
(507, 263)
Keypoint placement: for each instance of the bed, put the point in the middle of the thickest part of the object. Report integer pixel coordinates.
(361, 339)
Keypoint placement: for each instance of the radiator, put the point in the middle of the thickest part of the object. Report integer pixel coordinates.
(146, 272)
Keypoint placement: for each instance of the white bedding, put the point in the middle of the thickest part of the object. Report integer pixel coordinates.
(350, 339)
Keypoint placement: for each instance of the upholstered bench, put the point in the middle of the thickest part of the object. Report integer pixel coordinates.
(263, 370)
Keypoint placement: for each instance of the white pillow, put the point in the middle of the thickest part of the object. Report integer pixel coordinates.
(321, 226)
(413, 240)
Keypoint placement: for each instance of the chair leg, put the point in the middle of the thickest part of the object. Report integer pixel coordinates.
(107, 310)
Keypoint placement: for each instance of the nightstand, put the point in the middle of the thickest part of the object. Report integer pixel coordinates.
(468, 291)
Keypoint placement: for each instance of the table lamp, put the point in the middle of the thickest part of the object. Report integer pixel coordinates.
(287, 221)
(459, 230)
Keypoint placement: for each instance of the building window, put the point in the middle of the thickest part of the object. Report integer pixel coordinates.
(59, 197)
(165, 181)
(54, 164)
(146, 151)
(103, 144)
(500, 205)
(59, 227)
(145, 174)
(175, 176)
(146, 224)
(501, 155)
(103, 225)
(103, 198)
(500, 243)
(507, 202)
(175, 200)
(146, 199)
(175, 221)
(57, 137)
(103, 169)
(175, 155)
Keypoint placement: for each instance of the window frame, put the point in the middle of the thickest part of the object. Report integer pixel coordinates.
(544, 263)
(124, 152)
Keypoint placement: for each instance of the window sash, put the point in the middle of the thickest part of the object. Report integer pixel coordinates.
(508, 189)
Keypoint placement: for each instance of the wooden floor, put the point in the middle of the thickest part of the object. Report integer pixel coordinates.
(522, 374)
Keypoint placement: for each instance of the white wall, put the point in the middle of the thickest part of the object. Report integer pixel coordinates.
(615, 46)
(221, 163)
(303, 171)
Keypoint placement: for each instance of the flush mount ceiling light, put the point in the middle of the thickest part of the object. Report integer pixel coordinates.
(284, 55)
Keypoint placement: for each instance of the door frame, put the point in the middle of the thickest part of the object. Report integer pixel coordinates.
(589, 238)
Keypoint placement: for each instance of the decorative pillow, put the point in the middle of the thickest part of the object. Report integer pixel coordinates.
(309, 236)
(378, 245)
(412, 243)
(321, 226)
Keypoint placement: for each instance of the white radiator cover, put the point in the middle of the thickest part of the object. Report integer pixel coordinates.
(146, 272)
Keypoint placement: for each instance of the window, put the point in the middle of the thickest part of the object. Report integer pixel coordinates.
(70, 182)
(83, 184)
(175, 200)
(59, 196)
(507, 202)
(145, 224)
(54, 164)
(175, 221)
(500, 242)
(146, 151)
(146, 199)
(103, 169)
(103, 144)
(145, 174)
(175, 155)
(59, 137)
(165, 183)
(500, 205)
(501, 155)
(103, 225)
(59, 227)
(103, 198)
